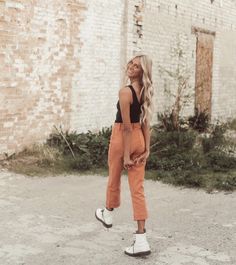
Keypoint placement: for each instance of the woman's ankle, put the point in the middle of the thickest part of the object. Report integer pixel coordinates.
(110, 209)
(141, 231)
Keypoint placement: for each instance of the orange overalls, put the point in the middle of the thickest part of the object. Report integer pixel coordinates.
(135, 174)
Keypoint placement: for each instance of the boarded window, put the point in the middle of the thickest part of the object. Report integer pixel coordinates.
(203, 75)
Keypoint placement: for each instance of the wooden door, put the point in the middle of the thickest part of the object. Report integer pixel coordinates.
(203, 74)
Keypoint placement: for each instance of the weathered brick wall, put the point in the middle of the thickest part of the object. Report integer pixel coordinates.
(62, 61)
(165, 22)
(39, 53)
(101, 58)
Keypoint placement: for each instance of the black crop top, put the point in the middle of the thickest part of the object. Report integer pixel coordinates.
(135, 109)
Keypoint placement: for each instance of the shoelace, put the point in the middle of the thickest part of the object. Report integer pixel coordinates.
(134, 239)
(133, 244)
(102, 213)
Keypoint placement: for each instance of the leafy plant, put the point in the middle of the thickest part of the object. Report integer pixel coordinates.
(180, 76)
(167, 122)
(88, 149)
(199, 121)
(215, 139)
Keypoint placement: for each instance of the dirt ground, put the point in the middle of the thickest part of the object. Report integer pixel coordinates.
(50, 221)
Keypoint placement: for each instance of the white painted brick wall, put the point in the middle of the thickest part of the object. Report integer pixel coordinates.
(95, 89)
(163, 21)
(62, 62)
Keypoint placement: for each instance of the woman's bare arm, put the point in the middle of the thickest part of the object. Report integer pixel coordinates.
(125, 101)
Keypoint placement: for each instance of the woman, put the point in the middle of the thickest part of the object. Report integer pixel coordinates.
(129, 149)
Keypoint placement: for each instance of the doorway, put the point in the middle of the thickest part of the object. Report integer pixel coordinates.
(203, 73)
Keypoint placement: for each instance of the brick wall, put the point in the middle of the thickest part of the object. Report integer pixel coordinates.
(62, 61)
(165, 22)
(101, 59)
(39, 47)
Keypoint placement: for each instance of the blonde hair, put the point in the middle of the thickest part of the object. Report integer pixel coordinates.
(147, 90)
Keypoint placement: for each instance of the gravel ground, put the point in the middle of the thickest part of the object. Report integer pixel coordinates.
(50, 221)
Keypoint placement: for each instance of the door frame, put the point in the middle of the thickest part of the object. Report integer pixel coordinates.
(196, 31)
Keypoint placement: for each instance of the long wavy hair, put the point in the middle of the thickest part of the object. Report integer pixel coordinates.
(147, 90)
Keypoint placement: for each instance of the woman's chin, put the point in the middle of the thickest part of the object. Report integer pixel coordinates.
(130, 75)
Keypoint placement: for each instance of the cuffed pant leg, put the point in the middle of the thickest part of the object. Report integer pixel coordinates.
(136, 185)
(115, 164)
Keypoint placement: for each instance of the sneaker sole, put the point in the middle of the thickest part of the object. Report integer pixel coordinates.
(139, 254)
(106, 225)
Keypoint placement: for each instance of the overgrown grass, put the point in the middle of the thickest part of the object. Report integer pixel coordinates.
(207, 179)
(232, 124)
(44, 160)
(185, 157)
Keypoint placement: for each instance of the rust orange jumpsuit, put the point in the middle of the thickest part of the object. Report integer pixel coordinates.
(135, 174)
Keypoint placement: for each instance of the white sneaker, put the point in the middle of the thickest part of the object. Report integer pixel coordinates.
(140, 246)
(103, 215)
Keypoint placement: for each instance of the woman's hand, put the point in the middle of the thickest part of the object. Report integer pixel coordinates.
(142, 157)
(128, 163)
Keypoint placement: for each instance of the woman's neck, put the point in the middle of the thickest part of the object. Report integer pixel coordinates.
(136, 84)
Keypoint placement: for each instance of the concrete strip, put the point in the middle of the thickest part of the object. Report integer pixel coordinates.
(51, 221)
